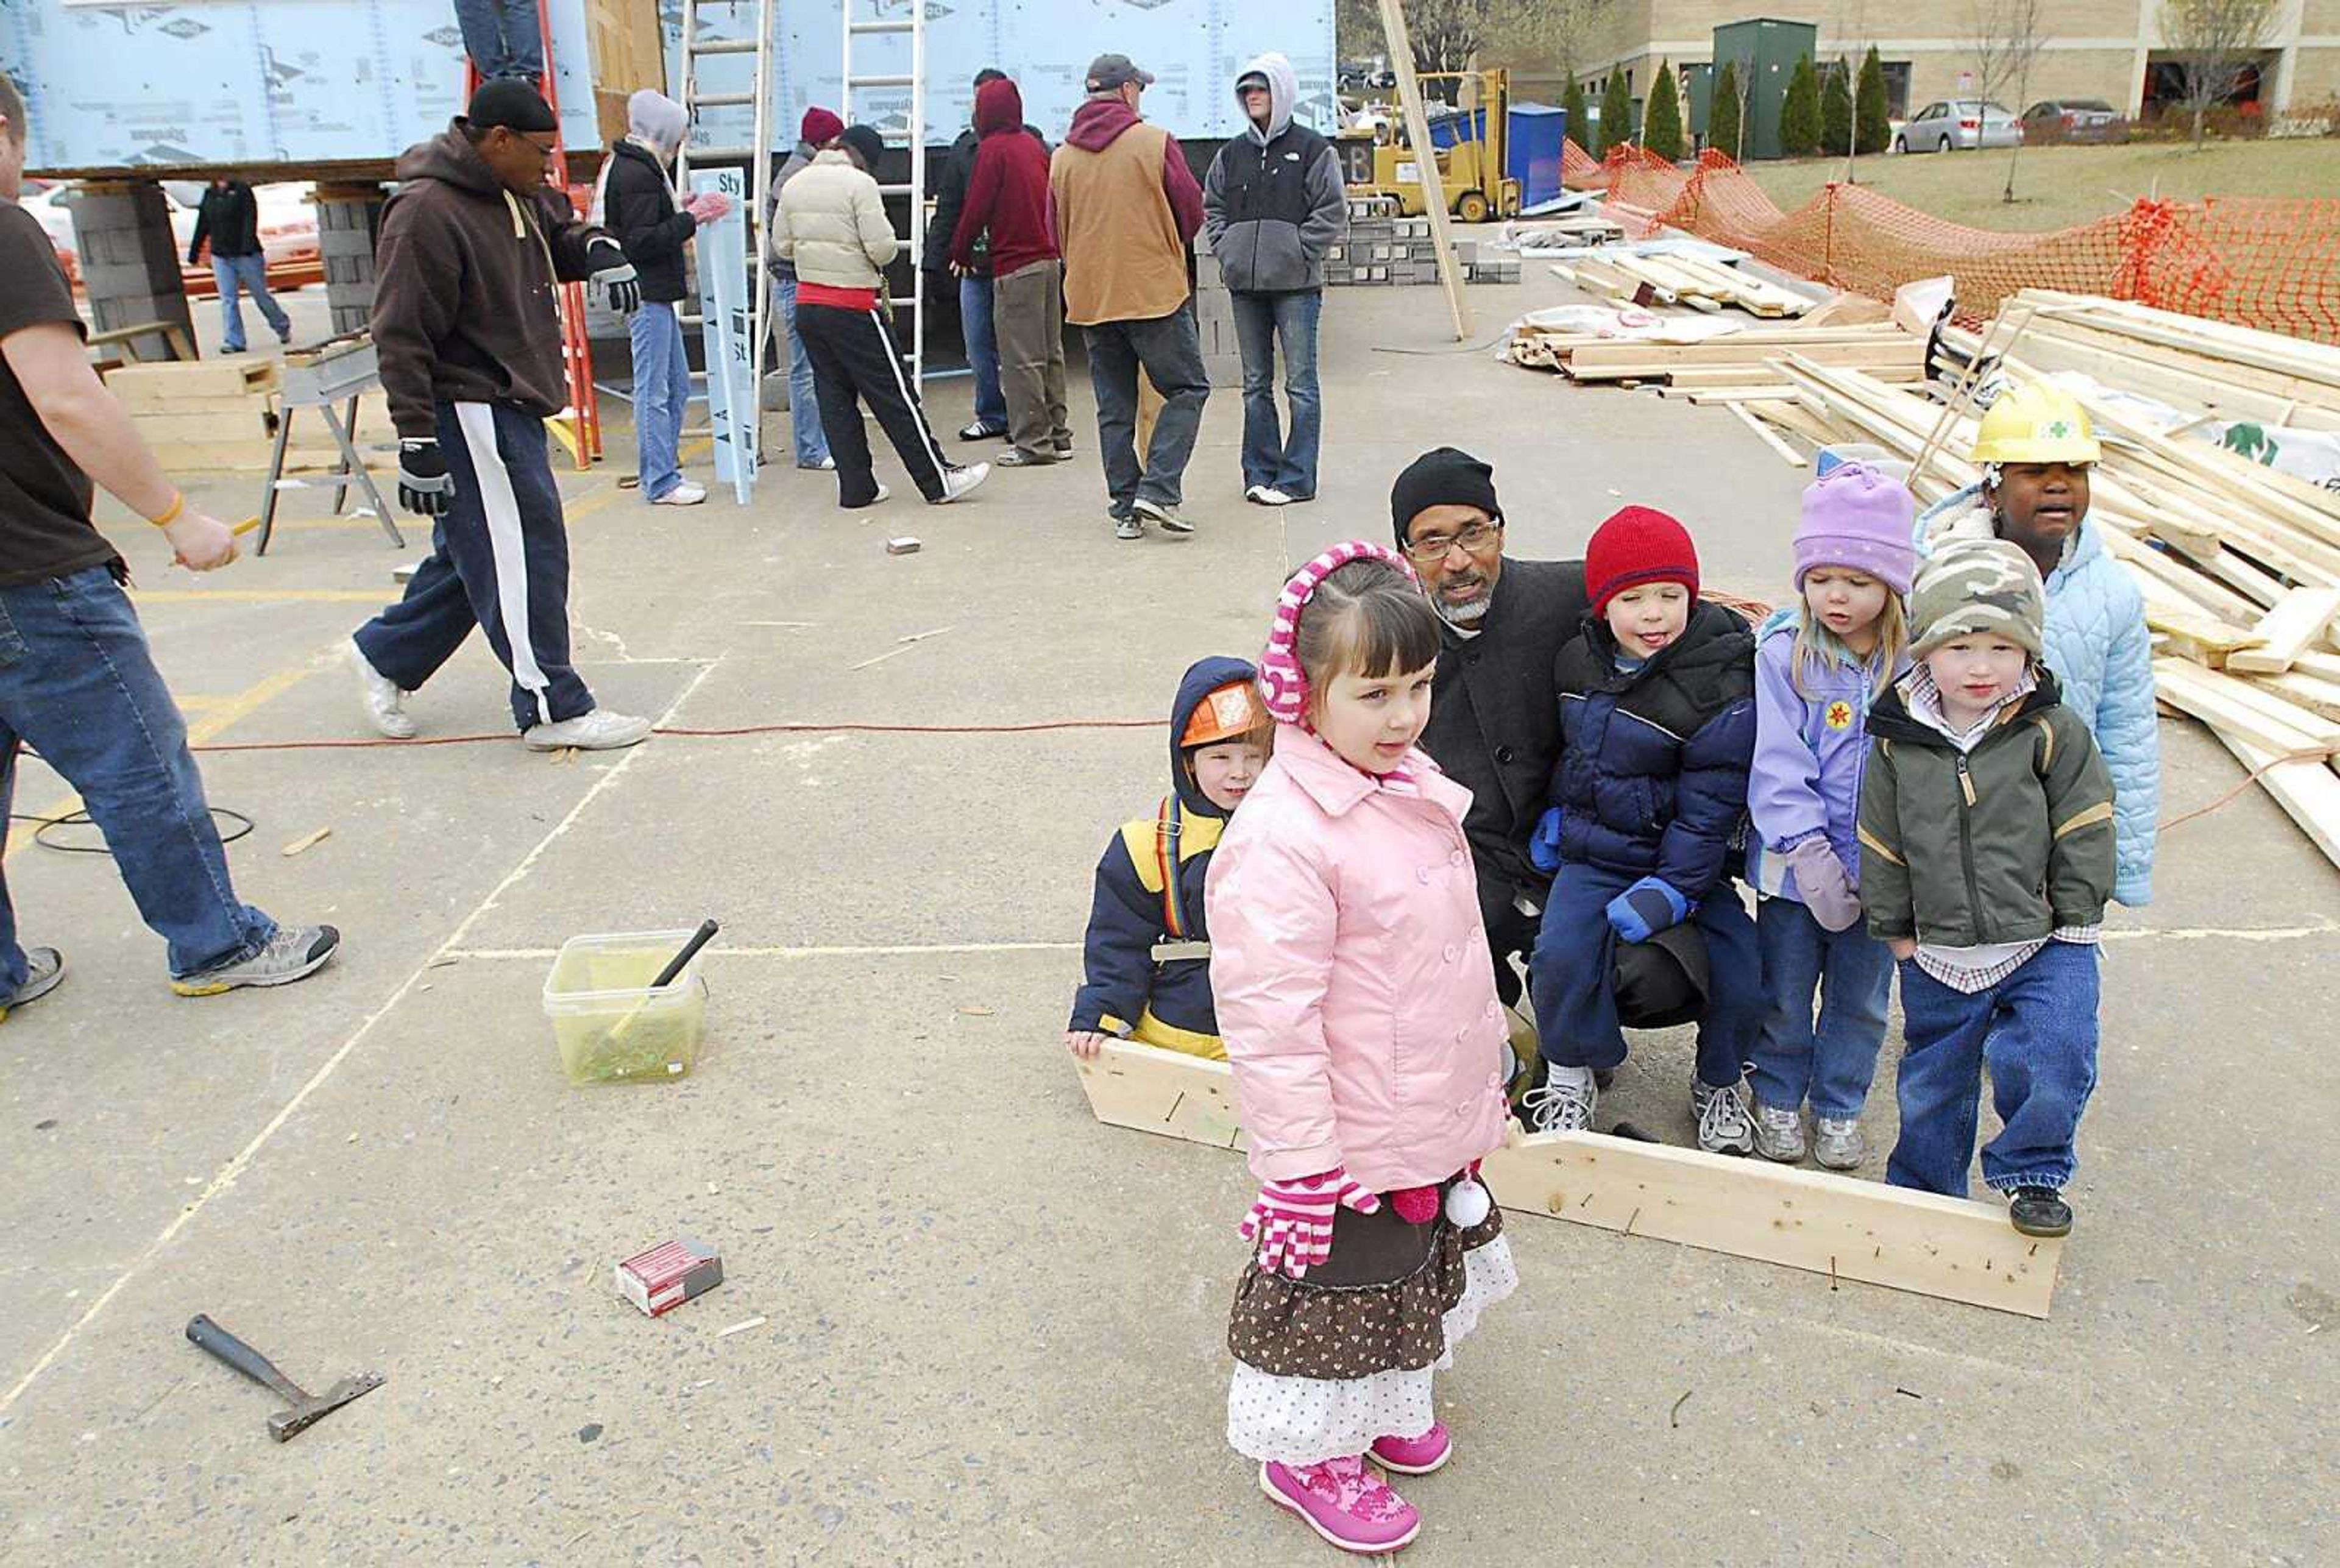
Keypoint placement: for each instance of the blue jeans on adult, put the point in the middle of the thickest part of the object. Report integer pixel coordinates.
(1853, 973)
(1571, 977)
(249, 274)
(982, 352)
(503, 37)
(803, 402)
(662, 389)
(78, 685)
(1169, 349)
(1283, 463)
(2036, 1032)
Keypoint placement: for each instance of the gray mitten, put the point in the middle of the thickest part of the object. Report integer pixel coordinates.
(1821, 879)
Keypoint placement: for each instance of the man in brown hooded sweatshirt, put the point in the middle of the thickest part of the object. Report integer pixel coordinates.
(467, 325)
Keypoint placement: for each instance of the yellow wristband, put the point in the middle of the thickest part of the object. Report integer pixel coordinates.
(178, 505)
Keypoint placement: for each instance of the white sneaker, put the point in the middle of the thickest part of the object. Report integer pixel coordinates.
(1838, 1142)
(1561, 1106)
(958, 481)
(1266, 495)
(385, 704)
(683, 494)
(1723, 1127)
(1779, 1133)
(874, 501)
(599, 730)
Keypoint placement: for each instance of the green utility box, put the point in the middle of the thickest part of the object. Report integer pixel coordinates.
(1698, 97)
(1766, 51)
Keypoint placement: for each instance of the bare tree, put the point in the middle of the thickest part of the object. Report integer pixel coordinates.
(1447, 35)
(2218, 43)
(2005, 37)
(1850, 30)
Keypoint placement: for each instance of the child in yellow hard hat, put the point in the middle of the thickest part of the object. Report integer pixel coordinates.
(1147, 964)
(2036, 448)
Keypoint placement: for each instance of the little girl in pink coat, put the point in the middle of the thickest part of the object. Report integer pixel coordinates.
(1357, 1002)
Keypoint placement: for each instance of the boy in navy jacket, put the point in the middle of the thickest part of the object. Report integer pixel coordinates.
(1147, 970)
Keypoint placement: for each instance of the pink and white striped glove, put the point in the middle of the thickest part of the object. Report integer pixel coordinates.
(1293, 1220)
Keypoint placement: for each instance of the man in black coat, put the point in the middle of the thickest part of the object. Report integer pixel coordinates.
(228, 220)
(974, 282)
(1495, 716)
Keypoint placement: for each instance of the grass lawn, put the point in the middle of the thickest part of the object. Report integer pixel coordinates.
(2056, 187)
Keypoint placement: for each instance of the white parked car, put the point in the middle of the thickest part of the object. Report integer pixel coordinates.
(1950, 124)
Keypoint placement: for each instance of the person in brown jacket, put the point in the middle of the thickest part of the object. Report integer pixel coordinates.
(1124, 207)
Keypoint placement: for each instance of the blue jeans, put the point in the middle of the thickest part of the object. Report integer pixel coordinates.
(2036, 1032)
(503, 37)
(1170, 350)
(1270, 458)
(982, 351)
(79, 686)
(803, 402)
(661, 388)
(1571, 977)
(1853, 973)
(249, 273)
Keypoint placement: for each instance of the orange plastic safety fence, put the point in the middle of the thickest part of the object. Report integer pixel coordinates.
(2266, 263)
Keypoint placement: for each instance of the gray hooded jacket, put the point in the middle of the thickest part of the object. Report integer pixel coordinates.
(1275, 202)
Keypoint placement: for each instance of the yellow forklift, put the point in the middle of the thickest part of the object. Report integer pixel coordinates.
(1376, 161)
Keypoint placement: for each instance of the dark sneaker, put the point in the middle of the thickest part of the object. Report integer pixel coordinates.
(2039, 1211)
(1065, 447)
(43, 969)
(1166, 518)
(1017, 457)
(294, 953)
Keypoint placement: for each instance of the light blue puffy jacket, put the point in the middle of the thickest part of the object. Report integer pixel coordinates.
(2102, 655)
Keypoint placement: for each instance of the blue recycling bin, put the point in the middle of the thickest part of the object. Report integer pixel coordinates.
(1539, 130)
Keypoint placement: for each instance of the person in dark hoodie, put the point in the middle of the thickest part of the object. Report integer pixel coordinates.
(970, 283)
(1146, 969)
(229, 219)
(1006, 210)
(1657, 719)
(1124, 208)
(1272, 204)
(639, 201)
(467, 330)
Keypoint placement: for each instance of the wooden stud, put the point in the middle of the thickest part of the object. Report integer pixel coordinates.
(2309, 793)
(2300, 620)
(1841, 1227)
(1425, 159)
(2234, 707)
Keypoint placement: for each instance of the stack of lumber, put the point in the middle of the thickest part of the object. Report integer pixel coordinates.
(2239, 565)
(1739, 367)
(1683, 280)
(221, 415)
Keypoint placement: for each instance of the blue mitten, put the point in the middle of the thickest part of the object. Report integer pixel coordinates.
(1648, 907)
(1544, 844)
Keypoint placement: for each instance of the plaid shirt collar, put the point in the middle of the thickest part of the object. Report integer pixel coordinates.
(1924, 702)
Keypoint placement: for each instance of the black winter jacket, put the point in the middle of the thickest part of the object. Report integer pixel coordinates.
(641, 214)
(1495, 718)
(229, 217)
(1653, 775)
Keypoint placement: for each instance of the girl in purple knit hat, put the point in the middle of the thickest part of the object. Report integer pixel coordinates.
(1818, 664)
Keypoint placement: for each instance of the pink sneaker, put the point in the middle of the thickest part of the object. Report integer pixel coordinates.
(1343, 1501)
(1415, 1455)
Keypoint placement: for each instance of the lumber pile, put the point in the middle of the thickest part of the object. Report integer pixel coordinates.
(221, 415)
(1739, 366)
(1690, 281)
(2239, 565)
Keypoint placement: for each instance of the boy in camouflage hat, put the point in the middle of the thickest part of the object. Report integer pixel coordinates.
(1986, 857)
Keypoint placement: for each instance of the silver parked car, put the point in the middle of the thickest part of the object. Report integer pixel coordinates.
(2073, 119)
(1963, 124)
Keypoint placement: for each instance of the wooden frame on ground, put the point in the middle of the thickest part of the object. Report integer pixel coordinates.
(1846, 1228)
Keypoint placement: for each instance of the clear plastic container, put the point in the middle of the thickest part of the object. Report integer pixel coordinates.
(611, 1028)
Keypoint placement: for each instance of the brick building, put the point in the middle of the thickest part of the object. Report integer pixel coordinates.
(2107, 49)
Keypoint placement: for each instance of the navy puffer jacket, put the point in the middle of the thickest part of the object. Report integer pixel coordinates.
(1652, 774)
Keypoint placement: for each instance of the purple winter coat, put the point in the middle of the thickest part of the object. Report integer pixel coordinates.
(1809, 754)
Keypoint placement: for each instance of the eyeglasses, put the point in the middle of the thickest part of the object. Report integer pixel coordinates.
(541, 149)
(1472, 539)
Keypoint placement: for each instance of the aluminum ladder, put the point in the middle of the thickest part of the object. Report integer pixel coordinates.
(913, 26)
(757, 154)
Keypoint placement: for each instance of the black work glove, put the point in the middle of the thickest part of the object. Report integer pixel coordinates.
(425, 488)
(616, 276)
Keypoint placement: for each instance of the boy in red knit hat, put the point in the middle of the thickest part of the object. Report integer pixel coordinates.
(1657, 713)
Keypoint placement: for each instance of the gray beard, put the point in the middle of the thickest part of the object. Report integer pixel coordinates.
(1466, 616)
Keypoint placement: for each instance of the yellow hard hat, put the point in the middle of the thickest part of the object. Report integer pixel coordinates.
(2036, 422)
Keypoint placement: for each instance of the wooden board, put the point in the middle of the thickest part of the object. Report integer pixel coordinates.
(2309, 793)
(1425, 159)
(2300, 620)
(1846, 1228)
(156, 386)
(2239, 708)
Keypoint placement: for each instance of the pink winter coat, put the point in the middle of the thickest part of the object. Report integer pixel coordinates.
(1351, 973)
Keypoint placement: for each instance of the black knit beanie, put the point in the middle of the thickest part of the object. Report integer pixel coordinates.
(1443, 476)
(865, 141)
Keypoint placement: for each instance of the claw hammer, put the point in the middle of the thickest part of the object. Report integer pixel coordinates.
(305, 1408)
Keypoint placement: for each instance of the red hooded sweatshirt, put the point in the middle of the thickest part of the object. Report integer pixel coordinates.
(1009, 192)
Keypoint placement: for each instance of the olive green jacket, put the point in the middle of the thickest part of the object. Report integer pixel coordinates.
(2006, 843)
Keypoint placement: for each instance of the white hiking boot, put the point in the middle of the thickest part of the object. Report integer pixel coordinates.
(1779, 1133)
(599, 730)
(385, 704)
(1562, 1106)
(1723, 1127)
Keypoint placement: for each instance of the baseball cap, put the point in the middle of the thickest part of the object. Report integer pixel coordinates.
(1107, 71)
